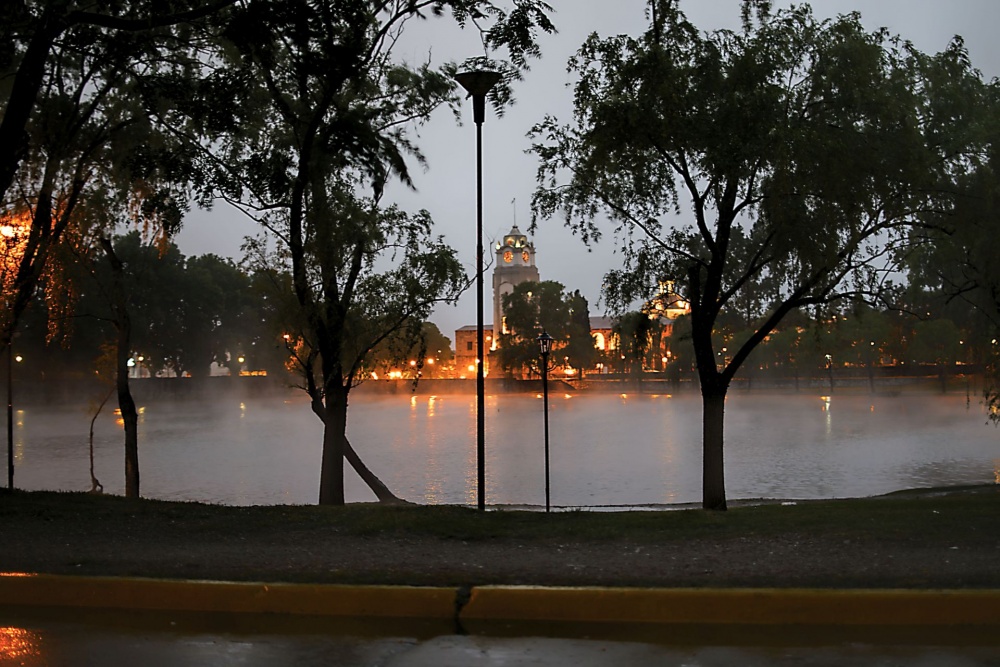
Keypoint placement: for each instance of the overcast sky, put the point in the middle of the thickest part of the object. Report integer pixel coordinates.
(447, 188)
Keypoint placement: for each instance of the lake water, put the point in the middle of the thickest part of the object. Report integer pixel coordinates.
(605, 449)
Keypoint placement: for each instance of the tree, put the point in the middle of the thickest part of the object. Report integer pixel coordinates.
(936, 342)
(635, 331)
(331, 113)
(420, 349)
(581, 349)
(802, 149)
(862, 336)
(64, 66)
(954, 265)
(529, 309)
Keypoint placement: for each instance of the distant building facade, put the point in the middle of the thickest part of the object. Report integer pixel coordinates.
(515, 264)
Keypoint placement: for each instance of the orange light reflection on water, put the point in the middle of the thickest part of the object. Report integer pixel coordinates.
(20, 646)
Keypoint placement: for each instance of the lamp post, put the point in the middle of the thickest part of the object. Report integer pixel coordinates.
(545, 344)
(10, 413)
(478, 84)
(9, 233)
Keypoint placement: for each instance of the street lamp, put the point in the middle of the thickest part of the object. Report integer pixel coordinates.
(10, 413)
(11, 359)
(478, 84)
(545, 344)
(12, 240)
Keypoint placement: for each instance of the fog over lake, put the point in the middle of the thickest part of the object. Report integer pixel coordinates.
(606, 449)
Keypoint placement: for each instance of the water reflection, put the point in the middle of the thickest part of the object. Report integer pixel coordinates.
(20, 646)
(605, 450)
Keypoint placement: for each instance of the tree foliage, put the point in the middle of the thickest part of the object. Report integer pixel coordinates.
(529, 309)
(799, 152)
(71, 115)
(329, 116)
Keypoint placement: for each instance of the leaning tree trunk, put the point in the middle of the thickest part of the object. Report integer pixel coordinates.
(130, 416)
(381, 491)
(95, 484)
(376, 485)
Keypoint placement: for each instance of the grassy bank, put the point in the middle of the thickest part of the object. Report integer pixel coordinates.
(917, 538)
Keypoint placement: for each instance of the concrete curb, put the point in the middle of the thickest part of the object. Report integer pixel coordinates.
(736, 606)
(516, 603)
(222, 596)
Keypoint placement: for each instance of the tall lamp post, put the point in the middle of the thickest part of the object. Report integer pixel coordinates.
(10, 413)
(9, 234)
(545, 344)
(478, 84)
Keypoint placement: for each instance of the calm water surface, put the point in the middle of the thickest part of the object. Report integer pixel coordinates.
(605, 449)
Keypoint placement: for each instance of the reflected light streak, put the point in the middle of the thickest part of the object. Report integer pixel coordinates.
(19, 644)
(996, 471)
(829, 415)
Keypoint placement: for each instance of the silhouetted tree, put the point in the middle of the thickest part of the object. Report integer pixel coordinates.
(802, 149)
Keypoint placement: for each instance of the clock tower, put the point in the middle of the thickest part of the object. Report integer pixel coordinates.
(515, 264)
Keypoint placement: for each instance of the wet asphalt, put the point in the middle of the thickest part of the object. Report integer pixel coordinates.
(50, 637)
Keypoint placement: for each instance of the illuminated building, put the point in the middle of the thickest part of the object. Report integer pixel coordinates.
(515, 264)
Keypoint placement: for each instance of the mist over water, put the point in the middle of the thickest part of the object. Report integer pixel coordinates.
(605, 449)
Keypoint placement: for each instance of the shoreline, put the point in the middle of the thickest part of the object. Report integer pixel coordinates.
(76, 392)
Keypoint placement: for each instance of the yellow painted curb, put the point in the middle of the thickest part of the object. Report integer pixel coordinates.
(735, 606)
(517, 603)
(238, 597)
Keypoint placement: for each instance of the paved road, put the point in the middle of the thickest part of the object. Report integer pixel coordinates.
(39, 638)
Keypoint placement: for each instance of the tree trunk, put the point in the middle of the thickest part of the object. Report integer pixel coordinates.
(27, 81)
(130, 416)
(380, 490)
(95, 484)
(713, 422)
(331, 480)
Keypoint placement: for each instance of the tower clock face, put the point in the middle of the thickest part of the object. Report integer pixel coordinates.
(525, 256)
(508, 256)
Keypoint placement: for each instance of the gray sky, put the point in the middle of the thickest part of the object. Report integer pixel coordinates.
(447, 188)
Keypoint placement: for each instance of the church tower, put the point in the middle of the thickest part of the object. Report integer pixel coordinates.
(515, 264)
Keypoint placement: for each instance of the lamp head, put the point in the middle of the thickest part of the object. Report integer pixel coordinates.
(478, 83)
(545, 342)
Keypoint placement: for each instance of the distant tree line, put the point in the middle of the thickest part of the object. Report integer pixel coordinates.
(188, 313)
